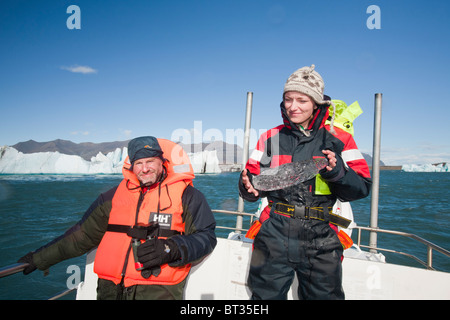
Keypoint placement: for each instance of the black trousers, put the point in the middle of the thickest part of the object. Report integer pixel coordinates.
(287, 246)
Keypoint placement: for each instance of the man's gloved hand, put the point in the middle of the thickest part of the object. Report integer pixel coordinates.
(156, 252)
(28, 258)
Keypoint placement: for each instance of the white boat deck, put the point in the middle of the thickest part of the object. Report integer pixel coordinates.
(222, 276)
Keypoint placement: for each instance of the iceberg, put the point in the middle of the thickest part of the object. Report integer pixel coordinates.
(15, 162)
(440, 167)
(205, 161)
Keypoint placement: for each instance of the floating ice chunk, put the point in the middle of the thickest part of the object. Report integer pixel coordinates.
(441, 167)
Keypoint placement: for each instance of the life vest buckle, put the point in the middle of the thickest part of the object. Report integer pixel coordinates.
(143, 232)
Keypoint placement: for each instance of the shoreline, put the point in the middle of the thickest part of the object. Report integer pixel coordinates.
(388, 167)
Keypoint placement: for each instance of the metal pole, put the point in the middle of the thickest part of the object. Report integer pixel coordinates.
(375, 172)
(12, 269)
(248, 118)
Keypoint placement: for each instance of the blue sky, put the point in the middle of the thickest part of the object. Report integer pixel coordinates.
(166, 67)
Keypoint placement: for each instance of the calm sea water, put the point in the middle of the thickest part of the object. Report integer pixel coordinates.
(34, 209)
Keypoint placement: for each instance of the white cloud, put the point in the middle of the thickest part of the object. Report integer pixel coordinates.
(84, 133)
(80, 69)
(127, 133)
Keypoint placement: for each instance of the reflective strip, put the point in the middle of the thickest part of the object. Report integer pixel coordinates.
(256, 155)
(351, 155)
(322, 187)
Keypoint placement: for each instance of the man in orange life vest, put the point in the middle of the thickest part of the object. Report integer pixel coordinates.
(148, 229)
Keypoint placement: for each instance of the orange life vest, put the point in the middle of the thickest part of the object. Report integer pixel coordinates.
(114, 258)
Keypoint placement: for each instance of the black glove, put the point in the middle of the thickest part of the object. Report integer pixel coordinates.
(28, 258)
(156, 252)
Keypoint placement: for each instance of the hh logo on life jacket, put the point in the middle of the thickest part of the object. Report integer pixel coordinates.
(164, 219)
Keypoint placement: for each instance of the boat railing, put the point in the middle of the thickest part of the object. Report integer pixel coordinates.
(19, 267)
(429, 245)
(237, 229)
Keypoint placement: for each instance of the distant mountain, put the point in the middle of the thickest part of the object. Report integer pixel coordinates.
(226, 153)
(368, 159)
